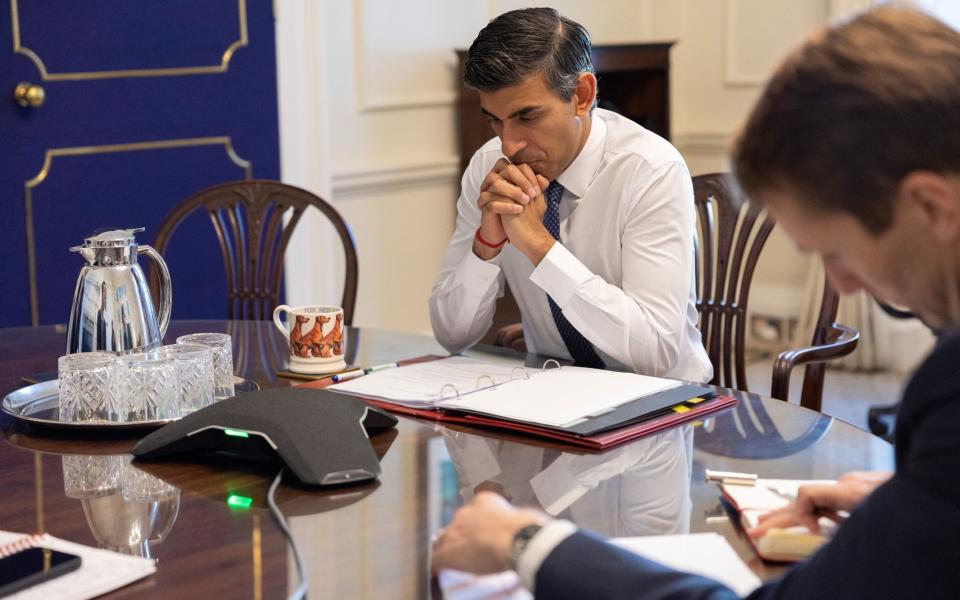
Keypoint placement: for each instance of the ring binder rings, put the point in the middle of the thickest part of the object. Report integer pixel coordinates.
(493, 382)
(548, 361)
(523, 372)
(515, 374)
(452, 387)
(588, 407)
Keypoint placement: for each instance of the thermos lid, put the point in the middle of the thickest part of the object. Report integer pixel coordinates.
(113, 238)
(110, 248)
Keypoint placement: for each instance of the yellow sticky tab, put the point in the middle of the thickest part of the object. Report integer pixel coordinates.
(695, 400)
(681, 409)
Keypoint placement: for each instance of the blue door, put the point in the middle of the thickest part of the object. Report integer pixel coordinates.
(112, 112)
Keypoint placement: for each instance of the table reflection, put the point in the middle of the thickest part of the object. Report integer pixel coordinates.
(639, 489)
(128, 510)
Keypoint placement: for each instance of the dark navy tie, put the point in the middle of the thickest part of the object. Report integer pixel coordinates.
(578, 346)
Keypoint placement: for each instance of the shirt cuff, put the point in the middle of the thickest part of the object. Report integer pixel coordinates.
(474, 269)
(540, 547)
(556, 488)
(560, 274)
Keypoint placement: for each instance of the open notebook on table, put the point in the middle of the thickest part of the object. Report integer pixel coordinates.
(100, 571)
(589, 407)
(792, 544)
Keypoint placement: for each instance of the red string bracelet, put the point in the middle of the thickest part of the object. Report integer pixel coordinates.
(488, 244)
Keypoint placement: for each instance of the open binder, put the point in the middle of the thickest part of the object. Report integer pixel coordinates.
(518, 399)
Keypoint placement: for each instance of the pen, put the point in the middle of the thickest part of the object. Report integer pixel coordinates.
(348, 375)
(731, 477)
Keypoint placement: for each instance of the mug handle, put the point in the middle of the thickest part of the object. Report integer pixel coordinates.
(276, 319)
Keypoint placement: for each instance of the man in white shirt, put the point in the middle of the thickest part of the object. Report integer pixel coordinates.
(588, 216)
(853, 149)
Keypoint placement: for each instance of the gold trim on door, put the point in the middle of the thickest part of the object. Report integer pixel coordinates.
(18, 48)
(30, 184)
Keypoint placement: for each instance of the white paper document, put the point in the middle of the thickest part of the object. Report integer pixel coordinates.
(100, 571)
(707, 554)
(556, 397)
(428, 384)
(560, 396)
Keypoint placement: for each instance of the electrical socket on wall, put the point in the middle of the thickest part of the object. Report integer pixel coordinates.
(771, 330)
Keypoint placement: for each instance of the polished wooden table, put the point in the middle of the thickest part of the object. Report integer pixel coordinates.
(373, 540)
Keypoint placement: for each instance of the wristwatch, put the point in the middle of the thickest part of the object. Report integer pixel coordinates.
(519, 543)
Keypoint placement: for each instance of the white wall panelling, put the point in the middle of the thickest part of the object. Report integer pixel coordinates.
(759, 33)
(397, 177)
(403, 52)
(313, 272)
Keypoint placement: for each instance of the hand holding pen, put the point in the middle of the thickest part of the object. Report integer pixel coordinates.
(815, 501)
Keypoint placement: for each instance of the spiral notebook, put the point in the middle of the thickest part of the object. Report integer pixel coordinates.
(100, 571)
(589, 407)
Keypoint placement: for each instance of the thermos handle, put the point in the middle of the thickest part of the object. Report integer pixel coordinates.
(166, 292)
(276, 319)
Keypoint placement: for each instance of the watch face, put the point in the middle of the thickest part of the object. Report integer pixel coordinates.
(520, 541)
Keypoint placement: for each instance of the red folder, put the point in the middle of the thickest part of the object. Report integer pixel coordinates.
(599, 441)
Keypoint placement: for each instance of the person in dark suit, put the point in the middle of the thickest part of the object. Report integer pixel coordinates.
(854, 149)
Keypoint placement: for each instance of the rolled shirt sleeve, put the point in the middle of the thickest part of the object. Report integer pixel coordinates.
(642, 323)
(465, 293)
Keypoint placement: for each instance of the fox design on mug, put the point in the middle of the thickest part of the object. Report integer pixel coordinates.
(309, 343)
(319, 349)
(297, 346)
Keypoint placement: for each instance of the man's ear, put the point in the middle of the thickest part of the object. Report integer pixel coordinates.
(585, 93)
(935, 198)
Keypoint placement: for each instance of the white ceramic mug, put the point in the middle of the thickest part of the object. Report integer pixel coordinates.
(316, 335)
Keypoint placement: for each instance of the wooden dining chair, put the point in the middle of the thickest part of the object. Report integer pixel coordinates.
(731, 232)
(253, 221)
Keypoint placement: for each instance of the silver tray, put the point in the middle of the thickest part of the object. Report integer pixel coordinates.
(39, 404)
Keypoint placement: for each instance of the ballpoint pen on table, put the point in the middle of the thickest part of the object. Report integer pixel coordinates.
(730, 477)
(348, 375)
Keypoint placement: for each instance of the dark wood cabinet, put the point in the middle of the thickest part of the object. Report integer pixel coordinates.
(633, 80)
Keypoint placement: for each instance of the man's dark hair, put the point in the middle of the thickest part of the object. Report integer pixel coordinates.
(520, 43)
(853, 111)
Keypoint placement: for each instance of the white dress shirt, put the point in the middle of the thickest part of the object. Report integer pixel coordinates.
(622, 272)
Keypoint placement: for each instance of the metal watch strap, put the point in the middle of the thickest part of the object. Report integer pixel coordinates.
(519, 543)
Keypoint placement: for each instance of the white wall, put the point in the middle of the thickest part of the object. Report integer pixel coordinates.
(725, 51)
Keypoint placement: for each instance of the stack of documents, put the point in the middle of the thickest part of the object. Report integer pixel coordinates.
(592, 408)
(556, 397)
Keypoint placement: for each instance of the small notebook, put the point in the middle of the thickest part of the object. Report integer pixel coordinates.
(101, 571)
(792, 544)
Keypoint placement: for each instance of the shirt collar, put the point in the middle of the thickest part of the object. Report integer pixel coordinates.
(578, 175)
